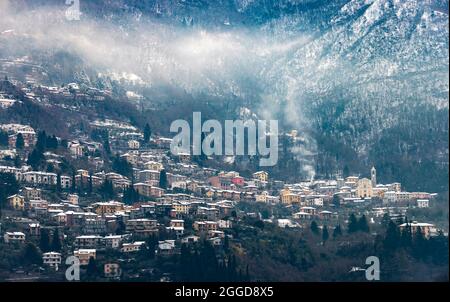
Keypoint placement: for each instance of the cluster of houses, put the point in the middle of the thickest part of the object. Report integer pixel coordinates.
(6, 102)
(13, 130)
(195, 203)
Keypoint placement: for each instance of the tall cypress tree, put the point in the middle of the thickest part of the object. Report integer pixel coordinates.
(337, 231)
(36, 158)
(106, 145)
(406, 235)
(363, 226)
(352, 224)
(92, 271)
(31, 255)
(56, 241)
(4, 139)
(314, 227)
(20, 143)
(44, 242)
(336, 201)
(147, 133)
(58, 182)
(74, 183)
(107, 189)
(385, 220)
(420, 244)
(392, 237)
(325, 234)
(41, 143)
(163, 179)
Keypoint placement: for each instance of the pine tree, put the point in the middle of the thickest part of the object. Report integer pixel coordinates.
(122, 166)
(31, 255)
(36, 159)
(325, 234)
(336, 201)
(92, 269)
(41, 143)
(352, 224)
(185, 263)
(163, 179)
(121, 228)
(4, 139)
(107, 189)
(385, 220)
(337, 231)
(147, 133)
(226, 244)
(151, 242)
(438, 249)
(346, 171)
(406, 235)
(247, 274)
(128, 195)
(56, 241)
(52, 142)
(20, 143)
(420, 244)
(74, 183)
(106, 145)
(392, 237)
(363, 226)
(8, 186)
(17, 161)
(58, 182)
(44, 242)
(314, 227)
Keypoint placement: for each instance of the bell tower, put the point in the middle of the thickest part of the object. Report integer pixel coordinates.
(373, 176)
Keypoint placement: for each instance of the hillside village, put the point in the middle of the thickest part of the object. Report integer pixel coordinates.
(119, 192)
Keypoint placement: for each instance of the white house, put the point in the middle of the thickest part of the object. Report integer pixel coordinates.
(6, 103)
(132, 247)
(166, 247)
(133, 144)
(52, 259)
(11, 237)
(423, 203)
(76, 149)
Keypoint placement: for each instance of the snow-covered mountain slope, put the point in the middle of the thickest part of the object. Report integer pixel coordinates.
(350, 75)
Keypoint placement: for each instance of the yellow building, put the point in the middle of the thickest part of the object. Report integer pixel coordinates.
(153, 165)
(364, 188)
(181, 207)
(17, 202)
(287, 197)
(84, 255)
(209, 193)
(111, 207)
(261, 175)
